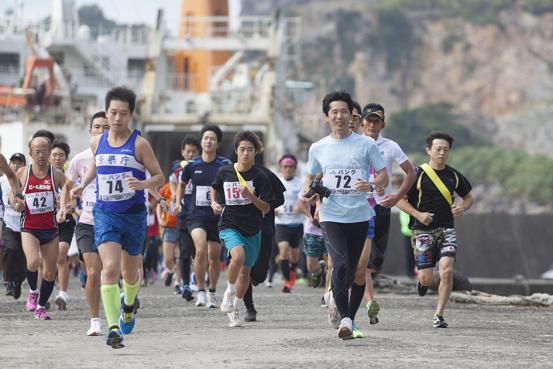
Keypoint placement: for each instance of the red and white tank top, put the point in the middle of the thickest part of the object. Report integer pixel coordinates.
(40, 201)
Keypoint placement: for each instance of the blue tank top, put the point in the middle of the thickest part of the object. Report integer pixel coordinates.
(113, 166)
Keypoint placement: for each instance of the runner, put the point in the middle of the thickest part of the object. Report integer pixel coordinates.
(168, 222)
(261, 266)
(39, 231)
(14, 257)
(58, 158)
(190, 149)
(341, 161)
(247, 194)
(202, 223)
(289, 222)
(375, 251)
(431, 203)
(122, 158)
(84, 231)
(356, 118)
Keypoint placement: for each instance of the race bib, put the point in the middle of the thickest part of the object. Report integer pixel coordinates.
(341, 182)
(40, 202)
(233, 196)
(89, 197)
(114, 187)
(203, 196)
(188, 189)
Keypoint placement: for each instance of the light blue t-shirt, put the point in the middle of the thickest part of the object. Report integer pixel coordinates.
(342, 162)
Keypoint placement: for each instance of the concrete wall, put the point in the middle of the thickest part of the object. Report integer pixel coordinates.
(490, 245)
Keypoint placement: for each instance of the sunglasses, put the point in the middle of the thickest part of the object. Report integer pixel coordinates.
(356, 116)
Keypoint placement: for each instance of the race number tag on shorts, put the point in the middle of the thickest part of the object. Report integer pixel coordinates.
(233, 196)
(189, 188)
(203, 196)
(40, 202)
(114, 187)
(342, 181)
(89, 197)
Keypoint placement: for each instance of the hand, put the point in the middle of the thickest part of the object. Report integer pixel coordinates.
(390, 201)
(457, 210)
(76, 192)
(61, 215)
(311, 200)
(425, 218)
(380, 190)
(245, 191)
(19, 205)
(217, 208)
(363, 186)
(177, 208)
(135, 184)
(164, 205)
(70, 209)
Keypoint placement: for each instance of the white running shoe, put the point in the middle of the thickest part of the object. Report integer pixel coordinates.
(200, 299)
(211, 300)
(345, 331)
(234, 320)
(95, 327)
(228, 300)
(333, 315)
(268, 284)
(61, 300)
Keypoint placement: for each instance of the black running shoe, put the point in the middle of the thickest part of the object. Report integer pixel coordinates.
(17, 291)
(439, 322)
(10, 289)
(187, 293)
(421, 290)
(115, 338)
(251, 316)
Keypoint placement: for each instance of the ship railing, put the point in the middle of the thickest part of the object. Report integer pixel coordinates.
(222, 26)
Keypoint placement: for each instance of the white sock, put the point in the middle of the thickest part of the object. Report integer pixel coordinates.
(237, 303)
(231, 287)
(64, 294)
(92, 320)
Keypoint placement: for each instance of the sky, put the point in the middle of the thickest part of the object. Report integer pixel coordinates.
(121, 11)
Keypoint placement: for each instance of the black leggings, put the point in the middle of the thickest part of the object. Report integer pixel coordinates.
(15, 263)
(345, 245)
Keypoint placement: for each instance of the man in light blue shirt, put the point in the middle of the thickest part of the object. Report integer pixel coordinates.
(342, 160)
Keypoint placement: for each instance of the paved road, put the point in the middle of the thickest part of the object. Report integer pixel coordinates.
(292, 332)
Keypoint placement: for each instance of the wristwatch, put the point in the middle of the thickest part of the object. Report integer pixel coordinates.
(19, 195)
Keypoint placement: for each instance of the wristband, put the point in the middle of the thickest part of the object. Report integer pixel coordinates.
(19, 195)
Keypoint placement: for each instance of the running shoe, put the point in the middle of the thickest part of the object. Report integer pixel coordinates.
(201, 299)
(323, 302)
(234, 320)
(167, 276)
(115, 338)
(40, 314)
(421, 290)
(95, 327)
(373, 307)
(10, 288)
(178, 289)
(317, 278)
(17, 291)
(356, 332)
(345, 330)
(226, 304)
(187, 293)
(439, 322)
(211, 300)
(292, 279)
(61, 301)
(127, 319)
(32, 301)
(333, 315)
(268, 284)
(251, 315)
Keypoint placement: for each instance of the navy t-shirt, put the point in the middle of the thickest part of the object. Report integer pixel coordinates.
(202, 175)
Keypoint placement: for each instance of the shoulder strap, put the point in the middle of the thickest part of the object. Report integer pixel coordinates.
(437, 182)
(241, 179)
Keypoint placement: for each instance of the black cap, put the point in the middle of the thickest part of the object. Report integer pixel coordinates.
(19, 156)
(373, 111)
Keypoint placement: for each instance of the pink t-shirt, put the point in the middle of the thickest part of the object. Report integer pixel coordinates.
(76, 173)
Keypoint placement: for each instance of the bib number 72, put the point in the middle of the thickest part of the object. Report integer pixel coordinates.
(345, 180)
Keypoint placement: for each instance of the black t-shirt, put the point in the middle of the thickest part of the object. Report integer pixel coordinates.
(201, 174)
(277, 189)
(239, 213)
(430, 200)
